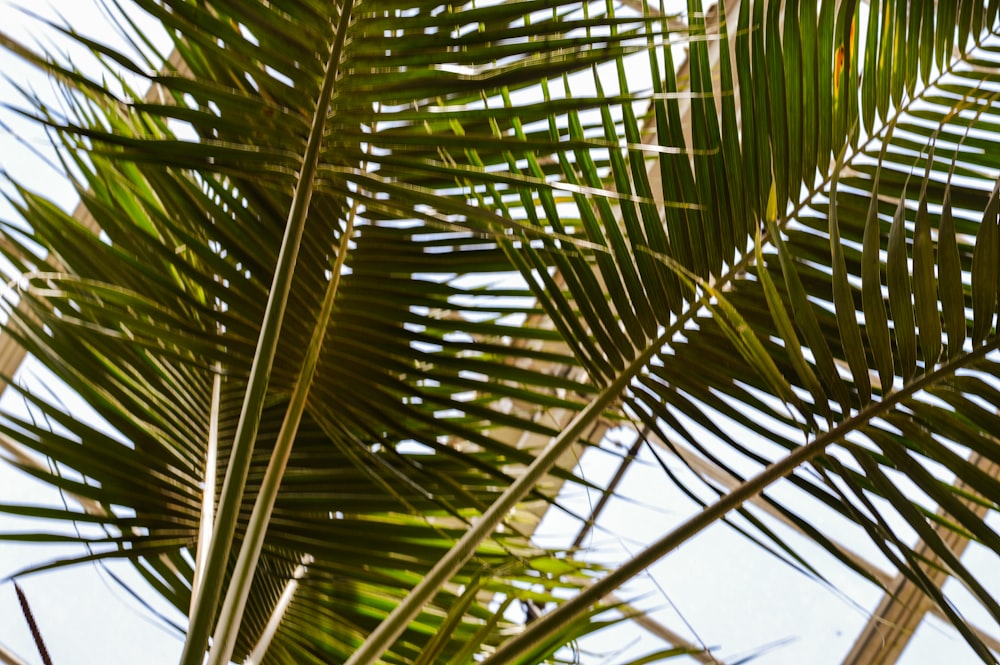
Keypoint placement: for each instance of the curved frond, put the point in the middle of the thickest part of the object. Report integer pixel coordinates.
(777, 252)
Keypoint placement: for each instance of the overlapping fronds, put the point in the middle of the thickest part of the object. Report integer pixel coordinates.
(358, 245)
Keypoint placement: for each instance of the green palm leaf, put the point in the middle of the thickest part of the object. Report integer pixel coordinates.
(508, 218)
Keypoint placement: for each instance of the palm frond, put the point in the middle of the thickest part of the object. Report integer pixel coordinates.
(781, 254)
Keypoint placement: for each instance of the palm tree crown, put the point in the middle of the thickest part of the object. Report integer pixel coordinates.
(354, 279)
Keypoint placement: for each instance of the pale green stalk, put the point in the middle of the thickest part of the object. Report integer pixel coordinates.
(246, 431)
(228, 626)
(205, 526)
(256, 656)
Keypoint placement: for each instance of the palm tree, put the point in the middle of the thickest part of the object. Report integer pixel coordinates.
(346, 259)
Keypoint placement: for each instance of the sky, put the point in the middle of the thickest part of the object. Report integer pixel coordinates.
(84, 617)
(715, 590)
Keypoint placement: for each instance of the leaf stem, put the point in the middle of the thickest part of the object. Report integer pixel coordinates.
(206, 603)
(32, 626)
(228, 625)
(205, 527)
